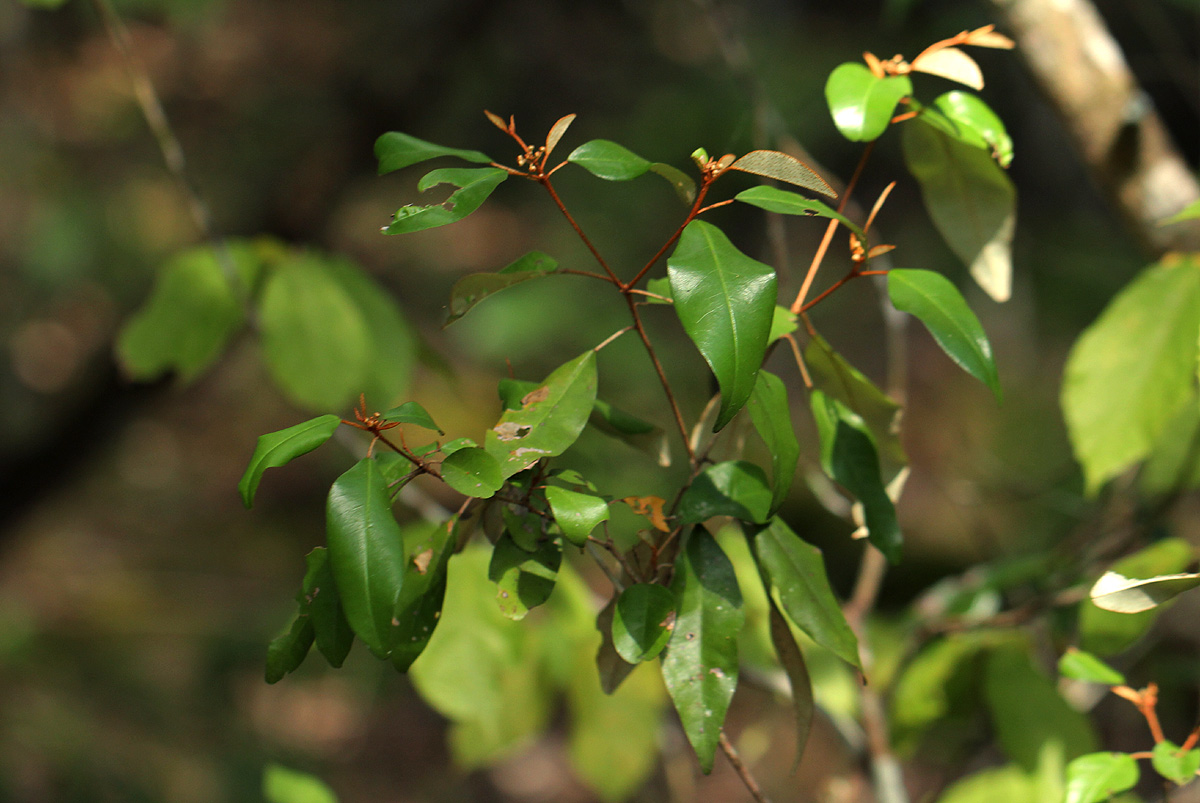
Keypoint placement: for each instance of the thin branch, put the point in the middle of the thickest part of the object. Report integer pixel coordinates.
(662, 377)
(732, 754)
(545, 182)
(705, 182)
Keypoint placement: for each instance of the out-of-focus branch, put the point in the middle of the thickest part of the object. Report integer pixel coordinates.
(1120, 136)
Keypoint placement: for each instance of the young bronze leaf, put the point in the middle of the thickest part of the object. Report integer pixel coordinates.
(725, 301)
(276, 449)
(785, 168)
(701, 664)
(556, 132)
(951, 63)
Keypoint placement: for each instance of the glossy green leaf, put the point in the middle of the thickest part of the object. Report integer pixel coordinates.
(523, 579)
(412, 413)
(1132, 370)
(1114, 592)
(795, 571)
(1081, 665)
(1189, 212)
(936, 302)
(1174, 764)
(782, 167)
(608, 160)
(470, 290)
(1096, 777)
(419, 609)
(840, 380)
(1027, 710)
(283, 785)
(366, 554)
(276, 449)
(288, 650)
(680, 181)
(783, 202)
(792, 661)
(783, 323)
(576, 513)
(733, 488)
(523, 527)
(700, 667)
(315, 338)
(660, 287)
(550, 417)
(971, 200)
(772, 417)
(191, 315)
(394, 151)
(472, 472)
(848, 457)
(613, 669)
(965, 115)
(319, 597)
(862, 104)
(1106, 632)
(725, 301)
(642, 621)
(474, 185)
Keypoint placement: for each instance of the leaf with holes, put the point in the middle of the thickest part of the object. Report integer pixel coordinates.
(470, 290)
(474, 185)
(277, 449)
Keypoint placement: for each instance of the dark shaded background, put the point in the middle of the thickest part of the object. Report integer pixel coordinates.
(136, 595)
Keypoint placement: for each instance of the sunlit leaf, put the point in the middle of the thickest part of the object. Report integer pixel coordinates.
(576, 513)
(470, 290)
(1173, 464)
(970, 199)
(1097, 777)
(643, 621)
(472, 472)
(970, 119)
(419, 609)
(861, 103)
(785, 168)
(725, 301)
(608, 160)
(1113, 592)
(795, 570)
(283, 785)
(848, 457)
(1081, 665)
(701, 666)
(320, 598)
(395, 151)
(1175, 764)
(366, 554)
(1132, 370)
(276, 449)
(1189, 212)
(936, 302)
(783, 202)
(734, 488)
(412, 413)
(550, 417)
(523, 579)
(951, 63)
(288, 650)
(772, 417)
(792, 661)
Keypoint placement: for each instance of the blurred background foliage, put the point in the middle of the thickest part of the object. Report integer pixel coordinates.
(136, 595)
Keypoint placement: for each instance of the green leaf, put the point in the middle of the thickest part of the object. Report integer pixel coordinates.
(772, 417)
(861, 103)
(1189, 212)
(782, 167)
(795, 570)
(608, 160)
(783, 202)
(395, 151)
(638, 433)
(1097, 777)
(320, 600)
(660, 287)
(642, 621)
(1027, 710)
(474, 184)
(1009, 783)
(283, 785)
(276, 449)
(971, 200)
(1173, 464)
(1105, 632)
(523, 579)
(366, 553)
(524, 528)
(840, 380)
(189, 319)
(681, 182)
(1114, 592)
(412, 413)
(472, 472)
(936, 302)
(314, 336)
(1081, 665)
(700, 668)
(783, 322)
(848, 457)
(289, 649)
(576, 513)
(725, 301)
(1132, 370)
(733, 488)
(613, 669)
(966, 117)
(422, 591)
(792, 661)
(549, 419)
(1173, 764)
(470, 290)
